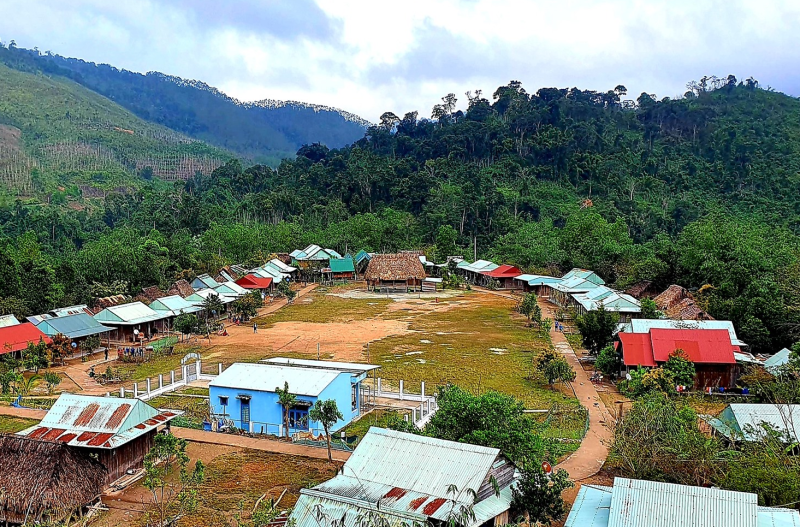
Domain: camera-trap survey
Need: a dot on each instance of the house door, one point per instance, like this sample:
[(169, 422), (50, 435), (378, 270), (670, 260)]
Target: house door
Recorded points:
[(245, 414)]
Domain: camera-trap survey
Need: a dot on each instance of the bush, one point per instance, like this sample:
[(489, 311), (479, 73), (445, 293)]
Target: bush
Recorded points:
[(597, 329), (609, 362)]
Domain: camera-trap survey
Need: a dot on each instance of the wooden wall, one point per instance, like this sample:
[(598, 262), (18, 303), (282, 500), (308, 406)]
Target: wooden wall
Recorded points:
[(128, 456)]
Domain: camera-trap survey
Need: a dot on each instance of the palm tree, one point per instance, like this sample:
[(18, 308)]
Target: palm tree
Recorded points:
[(327, 413), (24, 385), (287, 400)]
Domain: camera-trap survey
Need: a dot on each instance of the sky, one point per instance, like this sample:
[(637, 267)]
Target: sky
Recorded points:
[(368, 56)]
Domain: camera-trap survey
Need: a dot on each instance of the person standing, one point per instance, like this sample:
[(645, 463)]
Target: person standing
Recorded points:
[(255, 328)]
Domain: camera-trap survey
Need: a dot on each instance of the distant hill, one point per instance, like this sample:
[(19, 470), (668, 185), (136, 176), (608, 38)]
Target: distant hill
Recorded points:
[(54, 131), (260, 131)]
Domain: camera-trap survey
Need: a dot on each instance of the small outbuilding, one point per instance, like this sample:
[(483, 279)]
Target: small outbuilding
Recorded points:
[(745, 422), (340, 269), (246, 395), (401, 272), (117, 432)]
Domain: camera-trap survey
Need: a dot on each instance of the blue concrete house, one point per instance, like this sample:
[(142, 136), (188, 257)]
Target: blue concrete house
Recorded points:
[(245, 393)]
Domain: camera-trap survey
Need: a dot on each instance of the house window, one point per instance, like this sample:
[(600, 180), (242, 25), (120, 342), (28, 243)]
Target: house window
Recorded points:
[(223, 400), (298, 418)]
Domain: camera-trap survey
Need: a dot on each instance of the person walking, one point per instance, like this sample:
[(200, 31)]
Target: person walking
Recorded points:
[(255, 328), (106, 354)]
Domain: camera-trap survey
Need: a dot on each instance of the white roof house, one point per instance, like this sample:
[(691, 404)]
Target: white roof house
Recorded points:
[(744, 421), (353, 367), (174, 304), (265, 377), (129, 314), (781, 358), (638, 503)]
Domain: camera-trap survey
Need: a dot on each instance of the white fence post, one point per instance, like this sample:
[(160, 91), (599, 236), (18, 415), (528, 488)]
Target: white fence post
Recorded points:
[(148, 386), (160, 380), (136, 390), (172, 376), (185, 374), (422, 394), (401, 390), (379, 387), (428, 403), (251, 427), (280, 430), (122, 392), (199, 366), (220, 368)]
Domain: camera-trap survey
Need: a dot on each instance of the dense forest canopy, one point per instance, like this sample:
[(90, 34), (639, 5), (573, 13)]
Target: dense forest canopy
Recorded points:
[(699, 191)]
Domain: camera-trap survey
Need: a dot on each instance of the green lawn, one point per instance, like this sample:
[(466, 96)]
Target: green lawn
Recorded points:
[(324, 308), (10, 424)]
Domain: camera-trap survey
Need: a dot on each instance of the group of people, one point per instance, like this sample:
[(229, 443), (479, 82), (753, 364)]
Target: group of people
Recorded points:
[(559, 326), (129, 352)]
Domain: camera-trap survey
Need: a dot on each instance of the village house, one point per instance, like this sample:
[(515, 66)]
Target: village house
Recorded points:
[(536, 283), (340, 269), (583, 291), (394, 272), (174, 305), (505, 276), (45, 482), (643, 325), (745, 421), (130, 322), (14, 339), (77, 327), (253, 282), (361, 260), (711, 351), (117, 432), (474, 272), (638, 503), (678, 303), (313, 257), (204, 281), (246, 393), (404, 479), (280, 266)]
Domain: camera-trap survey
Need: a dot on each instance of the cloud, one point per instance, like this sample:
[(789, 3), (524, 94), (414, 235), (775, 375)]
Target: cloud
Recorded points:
[(369, 57)]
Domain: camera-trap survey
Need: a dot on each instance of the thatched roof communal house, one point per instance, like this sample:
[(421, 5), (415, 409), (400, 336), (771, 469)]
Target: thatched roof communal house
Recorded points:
[(44, 480), (395, 272), (181, 287), (679, 304)]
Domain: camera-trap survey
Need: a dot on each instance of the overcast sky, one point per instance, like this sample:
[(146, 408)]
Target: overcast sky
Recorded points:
[(369, 56)]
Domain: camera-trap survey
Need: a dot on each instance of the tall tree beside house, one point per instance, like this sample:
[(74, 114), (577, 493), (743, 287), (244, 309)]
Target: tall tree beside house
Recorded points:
[(537, 497), (327, 413), (212, 306), (597, 328), (530, 308), (286, 399), (59, 348), (650, 309), (173, 487), (680, 368)]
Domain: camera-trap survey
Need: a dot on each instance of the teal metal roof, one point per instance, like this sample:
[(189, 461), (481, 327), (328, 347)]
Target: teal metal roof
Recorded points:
[(776, 517), (98, 422), (343, 265), (644, 325), (779, 359), (73, 326), (204, 281), (591, 507), (583, 274), (175, 304), (537, 279), (314, 509), (745, 421), (361, 255), (129, 314)]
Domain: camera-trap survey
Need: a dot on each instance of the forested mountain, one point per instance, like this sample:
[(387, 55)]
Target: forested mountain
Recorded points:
[(699, 191), (262, 131)]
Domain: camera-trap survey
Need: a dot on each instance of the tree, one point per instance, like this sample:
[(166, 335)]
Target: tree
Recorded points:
[(170, 496), (59, 348), (186, 323), (680, 368), (597, 328), (286, 290), (608, 361), (287, 400), (52, 379), (212, 305), (530, 308), (327, 414), (650, 309), (24, 385), (553, 366), (35, 356), (247, 306), (538, 495)]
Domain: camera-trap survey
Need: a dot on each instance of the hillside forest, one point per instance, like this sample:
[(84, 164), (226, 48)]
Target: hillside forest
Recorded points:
[(699, 191)]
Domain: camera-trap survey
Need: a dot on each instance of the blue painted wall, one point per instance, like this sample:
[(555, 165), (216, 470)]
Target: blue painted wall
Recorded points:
[(267, 414)]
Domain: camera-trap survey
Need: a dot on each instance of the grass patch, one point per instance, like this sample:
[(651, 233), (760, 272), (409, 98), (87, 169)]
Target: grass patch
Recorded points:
[(10, 424), (195, 410), (325, 309), (479, 346), (191, 390), (575, 341), (378, 418), (235, 481)]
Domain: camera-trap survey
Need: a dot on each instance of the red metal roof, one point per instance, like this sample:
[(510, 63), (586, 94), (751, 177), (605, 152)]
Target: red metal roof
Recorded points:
[(252, 281), (504, 271), (16, 338), (703, 346), (637, 349)]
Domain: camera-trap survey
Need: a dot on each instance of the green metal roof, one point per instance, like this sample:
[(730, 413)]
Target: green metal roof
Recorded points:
[(343, 265), (72, 326)]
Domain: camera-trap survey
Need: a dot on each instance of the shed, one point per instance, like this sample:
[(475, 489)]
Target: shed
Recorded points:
[(341, 269), (135, 316), (744, 421), (638, 503), (246, 393), (14, 339), (45, 480), (406, 477), (118, 431), (75, 327), (397, 272), (781, 358)]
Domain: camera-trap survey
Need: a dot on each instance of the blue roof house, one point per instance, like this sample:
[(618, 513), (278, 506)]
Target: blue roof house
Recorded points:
[(245, 393)]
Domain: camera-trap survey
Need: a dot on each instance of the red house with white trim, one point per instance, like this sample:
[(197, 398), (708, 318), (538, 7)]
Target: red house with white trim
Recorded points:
[(710, 350)]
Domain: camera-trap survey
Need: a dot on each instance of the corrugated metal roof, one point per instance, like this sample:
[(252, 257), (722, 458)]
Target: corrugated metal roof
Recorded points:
[(8, 320), (638, 503), (591, 507), (745, 419), (493, 506), (198, 297), (16, 338), (204, 281), (504, 271), (352, 367), (644, 325), (252, 281), (227, 290), (776, 517), (73, 326), (536, 279), (70, 310), (175, 304), (281, 266), (418, 463), (37, 319), (266, 377), (779, 359), (314, 509), (343, 265), (129, 314), (583, 274), (703, 346), (236, 288), (360, 255), (637, 349), (98, 422)]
